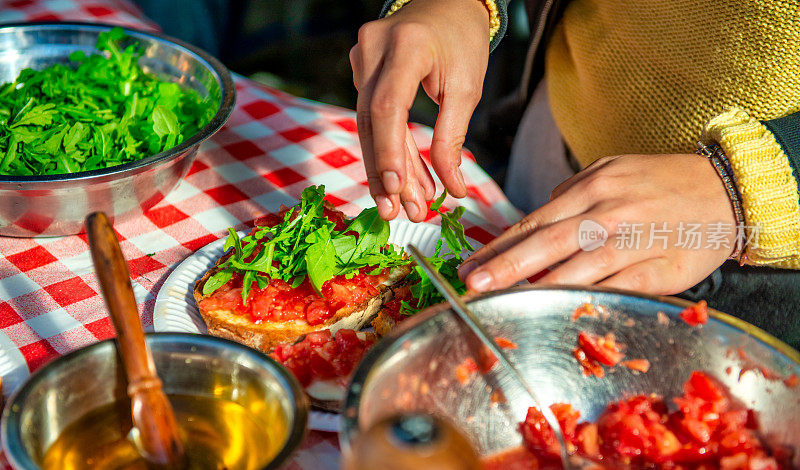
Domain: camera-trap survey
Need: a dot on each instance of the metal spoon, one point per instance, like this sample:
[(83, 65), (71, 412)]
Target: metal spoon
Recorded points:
[(475, 325)]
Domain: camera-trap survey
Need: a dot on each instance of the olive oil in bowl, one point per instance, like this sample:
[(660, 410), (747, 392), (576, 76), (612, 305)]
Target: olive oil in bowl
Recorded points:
[(217, 434)]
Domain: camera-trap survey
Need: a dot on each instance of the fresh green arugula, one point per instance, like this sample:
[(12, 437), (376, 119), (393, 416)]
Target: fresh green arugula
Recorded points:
[(422, 289), (104, 111), (306, 243)]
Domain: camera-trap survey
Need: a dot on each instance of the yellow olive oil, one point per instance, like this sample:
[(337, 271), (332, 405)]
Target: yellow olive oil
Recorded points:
[(217, 435)]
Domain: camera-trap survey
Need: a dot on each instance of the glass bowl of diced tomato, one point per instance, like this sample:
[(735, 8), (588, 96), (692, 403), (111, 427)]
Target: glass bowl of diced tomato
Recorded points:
[(635, 382)]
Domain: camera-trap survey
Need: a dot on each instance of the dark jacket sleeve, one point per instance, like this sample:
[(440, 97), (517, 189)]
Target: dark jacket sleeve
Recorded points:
[(502, 9), (787, 132)]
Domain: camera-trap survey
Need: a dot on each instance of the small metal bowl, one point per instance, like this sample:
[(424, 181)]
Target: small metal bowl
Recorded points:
[(51, 205), (413, 368), (73, 385)]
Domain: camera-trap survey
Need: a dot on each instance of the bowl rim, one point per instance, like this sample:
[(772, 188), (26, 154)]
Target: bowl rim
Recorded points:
[(220, 72), (9, 424), (350, 411)]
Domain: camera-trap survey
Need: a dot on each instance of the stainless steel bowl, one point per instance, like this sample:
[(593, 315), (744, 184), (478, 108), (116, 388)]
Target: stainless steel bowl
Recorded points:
[(53, 205), (413, 369), (91, 377)]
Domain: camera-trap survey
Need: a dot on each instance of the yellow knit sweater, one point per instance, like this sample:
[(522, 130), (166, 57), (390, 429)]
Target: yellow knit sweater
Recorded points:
[(654, 76)]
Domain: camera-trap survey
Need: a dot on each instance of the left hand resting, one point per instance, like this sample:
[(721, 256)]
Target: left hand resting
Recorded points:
[(668, 219)]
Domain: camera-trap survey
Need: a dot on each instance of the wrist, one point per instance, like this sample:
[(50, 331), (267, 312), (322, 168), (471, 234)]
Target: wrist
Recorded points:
[(722, 166), (486, 9)]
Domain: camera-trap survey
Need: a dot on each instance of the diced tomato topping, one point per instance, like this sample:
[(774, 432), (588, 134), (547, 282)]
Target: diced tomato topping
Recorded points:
[(641, 365), (696, 314), (707, 432), (538, 436), (702, 386), (792, 381), (588, 366), (321, 356), (587, 310), (486, 359), (587, 439), (392, 308), (505, 343), (603, 349), (517, 458), (497, 397), (465, 370), (279, 302)]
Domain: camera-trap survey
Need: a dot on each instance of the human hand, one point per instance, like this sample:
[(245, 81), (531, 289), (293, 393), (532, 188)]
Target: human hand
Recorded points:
[(616, 193), (443, 45)]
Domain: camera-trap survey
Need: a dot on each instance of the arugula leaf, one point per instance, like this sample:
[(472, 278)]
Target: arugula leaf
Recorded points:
[(164, 121), (436, 204), (423, 292), (39, 115), (320, 258), (216, 281), (345, 247), (372, 231)]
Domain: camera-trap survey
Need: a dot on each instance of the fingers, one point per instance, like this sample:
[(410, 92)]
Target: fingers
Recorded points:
[(539, 250), (420, 169), (364, 76), (589, 267), (355, 64), (448, 138), (650, 276), (388, 204), (412, 195), (573, 203), (392, 97)]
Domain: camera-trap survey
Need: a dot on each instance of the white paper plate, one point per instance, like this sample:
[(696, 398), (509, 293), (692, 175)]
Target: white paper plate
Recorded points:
[(13, 368), (176, 311)]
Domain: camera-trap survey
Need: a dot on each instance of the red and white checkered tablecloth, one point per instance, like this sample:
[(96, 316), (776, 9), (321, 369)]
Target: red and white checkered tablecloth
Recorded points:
[(273, 146)]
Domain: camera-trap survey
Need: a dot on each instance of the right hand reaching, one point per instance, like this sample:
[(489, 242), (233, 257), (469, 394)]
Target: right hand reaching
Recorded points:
[(443, 45)]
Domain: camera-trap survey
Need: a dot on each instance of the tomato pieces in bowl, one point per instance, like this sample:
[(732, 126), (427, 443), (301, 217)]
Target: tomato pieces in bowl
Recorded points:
[(706, 430)]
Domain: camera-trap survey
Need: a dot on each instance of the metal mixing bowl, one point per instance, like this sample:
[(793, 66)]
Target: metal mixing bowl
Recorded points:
[(413, 369), (69, 387), (58, 204)]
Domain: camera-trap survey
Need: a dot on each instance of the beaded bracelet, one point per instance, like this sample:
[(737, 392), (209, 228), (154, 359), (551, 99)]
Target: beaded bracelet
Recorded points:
[(716, 155), (491, 6)]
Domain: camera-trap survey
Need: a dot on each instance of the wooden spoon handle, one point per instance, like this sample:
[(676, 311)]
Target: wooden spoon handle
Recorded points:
[(112, 272), (151, 411)]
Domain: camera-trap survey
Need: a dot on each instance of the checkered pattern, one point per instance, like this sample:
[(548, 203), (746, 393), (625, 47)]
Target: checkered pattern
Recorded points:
[(273, 146)]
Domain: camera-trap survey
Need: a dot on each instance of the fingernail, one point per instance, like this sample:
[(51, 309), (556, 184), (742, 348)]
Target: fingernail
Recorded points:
[(466, 268), (480, 280), (384, 205), (411, 209), (391, 182)]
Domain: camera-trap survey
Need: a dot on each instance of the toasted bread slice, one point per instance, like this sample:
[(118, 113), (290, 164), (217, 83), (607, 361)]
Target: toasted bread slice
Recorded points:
[(383, 323), (266, 335)]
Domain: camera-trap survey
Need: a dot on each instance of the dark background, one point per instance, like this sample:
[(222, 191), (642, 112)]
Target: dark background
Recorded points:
[(301, 46)]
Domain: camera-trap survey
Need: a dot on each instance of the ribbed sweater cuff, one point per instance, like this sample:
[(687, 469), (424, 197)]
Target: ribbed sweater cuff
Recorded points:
[(768, 188)]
